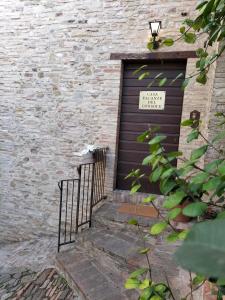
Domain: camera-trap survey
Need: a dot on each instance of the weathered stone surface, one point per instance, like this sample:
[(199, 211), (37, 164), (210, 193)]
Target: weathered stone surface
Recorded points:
[(59, 91)]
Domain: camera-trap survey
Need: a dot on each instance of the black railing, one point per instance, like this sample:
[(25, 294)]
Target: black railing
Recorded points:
[(79, 196)]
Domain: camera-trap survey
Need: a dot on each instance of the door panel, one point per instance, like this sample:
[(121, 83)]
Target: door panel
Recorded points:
[(134, 121)]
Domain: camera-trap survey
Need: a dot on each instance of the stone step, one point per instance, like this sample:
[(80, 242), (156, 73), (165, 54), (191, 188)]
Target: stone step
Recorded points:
[(94, 278), (108, 215)]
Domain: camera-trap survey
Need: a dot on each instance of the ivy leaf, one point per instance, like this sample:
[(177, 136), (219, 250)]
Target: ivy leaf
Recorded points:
[(135, 188), (146, 294), (199, 152), (132, 283), (168, 42), (174, 199), (158, 228), (195, 209), (160, 288), (138, 272), (190, 37), (157, 139)]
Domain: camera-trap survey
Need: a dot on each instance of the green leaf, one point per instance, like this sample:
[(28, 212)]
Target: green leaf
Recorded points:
[(133, 222), (221, 215), (174, 199), (185, 83), (146, 294), (143, 75), (212, 184), (221, 169), (173, 237), (195, 209), (150, 46), (177, 77), (174, 213), (200, 178), (212, 165), (139, 69), (183, 234), (144, 251), (202, 4), (135, 188), (193, 136), (156, 297), (149, 199), (160, 288), (158, 228), (167, 185), (199, 152), (145, 283), (168, 173), (157, 139), (182, 30), (162, 81), (142, 137), (188, 123), (138, 272), (202, 77), (132, 283), (203, 251), (198, 279), (148, 159), (154, 177), (168, 42), (190, 37)]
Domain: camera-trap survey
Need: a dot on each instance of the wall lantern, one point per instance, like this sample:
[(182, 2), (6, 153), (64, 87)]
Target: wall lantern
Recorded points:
[(155, 27)]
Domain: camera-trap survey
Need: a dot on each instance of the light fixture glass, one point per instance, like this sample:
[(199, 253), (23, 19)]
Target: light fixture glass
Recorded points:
[(155, 26)]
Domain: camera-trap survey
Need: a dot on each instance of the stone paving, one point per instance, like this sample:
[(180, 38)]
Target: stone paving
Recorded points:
[(48, 284), (26, 271)]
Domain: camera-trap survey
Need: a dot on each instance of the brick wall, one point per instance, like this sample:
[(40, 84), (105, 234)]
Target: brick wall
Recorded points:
[(59, 91)]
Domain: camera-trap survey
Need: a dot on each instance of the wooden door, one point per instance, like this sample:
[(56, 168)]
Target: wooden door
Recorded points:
[(134, 121)]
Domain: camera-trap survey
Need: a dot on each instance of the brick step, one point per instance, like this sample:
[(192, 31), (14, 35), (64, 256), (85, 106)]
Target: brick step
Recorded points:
[(93, 277)]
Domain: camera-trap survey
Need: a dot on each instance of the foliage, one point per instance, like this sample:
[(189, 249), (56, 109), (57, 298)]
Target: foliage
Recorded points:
[(209, 26)]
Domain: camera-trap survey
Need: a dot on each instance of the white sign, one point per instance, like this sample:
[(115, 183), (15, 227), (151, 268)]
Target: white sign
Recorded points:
[(152, 100)]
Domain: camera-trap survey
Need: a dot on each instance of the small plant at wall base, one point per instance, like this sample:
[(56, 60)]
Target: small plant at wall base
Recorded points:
[(192, 191)]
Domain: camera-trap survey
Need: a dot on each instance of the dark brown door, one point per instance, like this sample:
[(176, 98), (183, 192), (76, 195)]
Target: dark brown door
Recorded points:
[(134, 121)]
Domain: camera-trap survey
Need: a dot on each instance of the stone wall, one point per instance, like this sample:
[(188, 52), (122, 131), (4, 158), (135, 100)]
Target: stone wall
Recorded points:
[(59, 92)]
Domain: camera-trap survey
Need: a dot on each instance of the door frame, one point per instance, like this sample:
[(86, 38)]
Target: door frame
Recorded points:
[(132, 58)]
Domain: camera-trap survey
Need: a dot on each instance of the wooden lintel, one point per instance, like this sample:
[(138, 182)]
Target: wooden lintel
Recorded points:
[(153, 55)]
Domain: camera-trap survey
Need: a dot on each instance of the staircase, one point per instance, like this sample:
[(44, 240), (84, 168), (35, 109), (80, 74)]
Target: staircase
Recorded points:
[(101, 258)]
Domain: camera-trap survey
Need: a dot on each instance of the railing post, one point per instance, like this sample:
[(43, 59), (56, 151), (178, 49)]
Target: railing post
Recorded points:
[(78, 200), (92, 193), (60, 184)]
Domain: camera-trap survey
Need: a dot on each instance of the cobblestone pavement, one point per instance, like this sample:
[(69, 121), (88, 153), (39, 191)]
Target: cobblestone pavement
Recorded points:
[(22, 276), (28, 285)]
